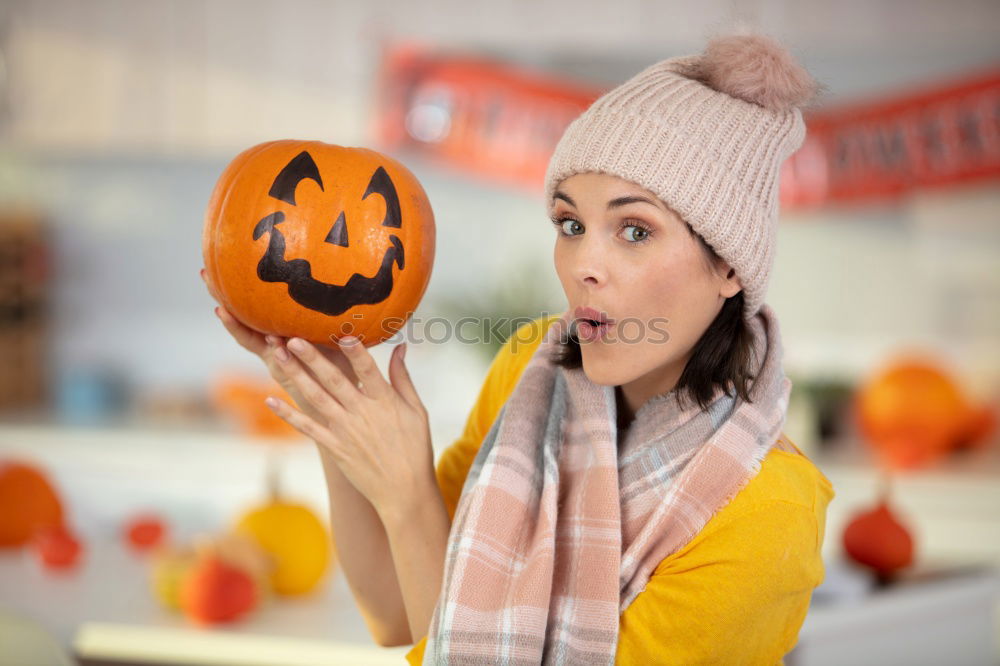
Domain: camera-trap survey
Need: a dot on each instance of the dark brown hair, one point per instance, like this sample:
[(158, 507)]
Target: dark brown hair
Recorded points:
[(722, 357)]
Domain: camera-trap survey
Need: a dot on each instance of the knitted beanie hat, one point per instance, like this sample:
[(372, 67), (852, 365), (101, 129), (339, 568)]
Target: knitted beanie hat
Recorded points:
[(707, 134)]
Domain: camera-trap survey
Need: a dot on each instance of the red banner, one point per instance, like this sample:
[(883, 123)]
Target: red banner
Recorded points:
[(496, 121), (502, 123), (940, 136)]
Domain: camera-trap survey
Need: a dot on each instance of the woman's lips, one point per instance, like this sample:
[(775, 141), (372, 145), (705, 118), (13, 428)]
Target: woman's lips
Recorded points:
[(592, 314), (591, 324), (589, 332)]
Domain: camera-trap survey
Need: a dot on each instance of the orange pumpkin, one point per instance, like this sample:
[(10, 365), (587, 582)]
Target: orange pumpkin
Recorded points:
[(28, 502), (242, 398), (912, 413), (318, 241)]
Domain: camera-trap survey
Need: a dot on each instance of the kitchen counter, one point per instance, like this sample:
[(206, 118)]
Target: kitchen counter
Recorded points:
[(105, 612), (201, 480)]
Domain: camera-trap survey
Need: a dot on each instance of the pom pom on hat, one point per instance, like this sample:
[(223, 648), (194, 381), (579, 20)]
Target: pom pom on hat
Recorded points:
[(757, 69)]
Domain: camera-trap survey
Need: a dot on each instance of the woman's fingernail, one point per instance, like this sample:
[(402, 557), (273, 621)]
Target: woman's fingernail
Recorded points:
[(270, 340), (271, 402), (297, 344), (281, 354), (402, 352), (348, 341), (218, 312)]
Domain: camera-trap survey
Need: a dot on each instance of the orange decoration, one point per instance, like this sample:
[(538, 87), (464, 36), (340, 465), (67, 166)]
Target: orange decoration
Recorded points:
[(57, 547), (27, 502), (242, 398), (980, 427), (144, 532), (318, 241), (214, 592), (876, 538), (912, 413)]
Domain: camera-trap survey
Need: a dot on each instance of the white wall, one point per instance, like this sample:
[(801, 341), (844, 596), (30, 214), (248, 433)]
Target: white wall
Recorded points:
[(213, 76), (855, 285), (117, 116)]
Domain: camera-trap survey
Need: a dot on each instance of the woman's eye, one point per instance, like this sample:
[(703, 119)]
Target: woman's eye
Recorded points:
[(570, 227), (638, 233)]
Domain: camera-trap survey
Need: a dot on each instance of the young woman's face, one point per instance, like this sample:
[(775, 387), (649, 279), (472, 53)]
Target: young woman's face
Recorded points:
[(623, 252)]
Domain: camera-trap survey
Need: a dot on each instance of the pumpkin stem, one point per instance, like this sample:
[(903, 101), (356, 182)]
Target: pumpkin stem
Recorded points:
[(884, 485), (273, 473)]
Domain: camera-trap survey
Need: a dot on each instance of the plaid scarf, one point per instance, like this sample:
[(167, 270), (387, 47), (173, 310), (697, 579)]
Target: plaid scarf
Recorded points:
[(560, 525)]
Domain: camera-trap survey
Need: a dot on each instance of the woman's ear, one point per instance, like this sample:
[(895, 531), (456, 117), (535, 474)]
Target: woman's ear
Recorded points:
[(730, 281)]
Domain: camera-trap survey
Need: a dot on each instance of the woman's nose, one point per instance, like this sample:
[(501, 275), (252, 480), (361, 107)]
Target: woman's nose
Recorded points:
[(591, 262)]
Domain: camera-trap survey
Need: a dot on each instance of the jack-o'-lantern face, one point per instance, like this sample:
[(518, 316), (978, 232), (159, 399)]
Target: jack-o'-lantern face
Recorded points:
[(331, 299), (320, 256)]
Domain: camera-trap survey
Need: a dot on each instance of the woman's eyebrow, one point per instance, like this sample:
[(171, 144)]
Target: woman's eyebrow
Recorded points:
[(614, 203), (564, 197), (624, 201)]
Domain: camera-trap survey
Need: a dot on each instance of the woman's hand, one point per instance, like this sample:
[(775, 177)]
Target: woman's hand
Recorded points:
[(265, 347), (377, 458), (378, 433)]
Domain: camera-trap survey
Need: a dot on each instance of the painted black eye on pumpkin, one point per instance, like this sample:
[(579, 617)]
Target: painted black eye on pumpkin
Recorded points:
[(304, 289), (382, 184), (302, 167)]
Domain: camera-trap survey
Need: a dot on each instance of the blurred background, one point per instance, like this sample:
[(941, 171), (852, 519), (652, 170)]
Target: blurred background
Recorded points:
[(129, 412)]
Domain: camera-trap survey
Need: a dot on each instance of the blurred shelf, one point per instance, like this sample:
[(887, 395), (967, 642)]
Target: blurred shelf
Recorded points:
[(199, 480), (851, 453), (952, 506)]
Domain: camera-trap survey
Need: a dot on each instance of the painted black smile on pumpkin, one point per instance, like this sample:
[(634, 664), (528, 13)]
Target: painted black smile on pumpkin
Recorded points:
[(330, 299)]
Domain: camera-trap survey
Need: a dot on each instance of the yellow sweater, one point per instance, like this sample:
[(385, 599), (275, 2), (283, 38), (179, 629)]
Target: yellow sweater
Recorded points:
[(735, 594)]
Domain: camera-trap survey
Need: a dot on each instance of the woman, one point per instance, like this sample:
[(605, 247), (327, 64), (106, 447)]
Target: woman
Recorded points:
[(622, 491)]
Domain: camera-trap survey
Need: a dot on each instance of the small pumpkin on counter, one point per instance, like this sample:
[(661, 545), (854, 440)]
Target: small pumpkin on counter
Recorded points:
[(298, 542), (58, 547), (181, 580), (913, 413), (876, 538), (28, 502), (214, 591)]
